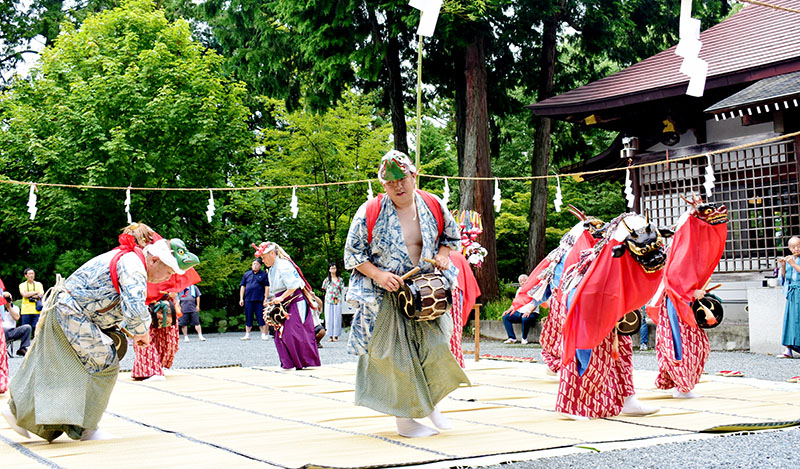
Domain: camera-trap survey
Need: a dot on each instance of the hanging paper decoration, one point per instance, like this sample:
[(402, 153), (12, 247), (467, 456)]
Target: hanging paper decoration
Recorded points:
[(429, 13), (369, 191), (470, 224), (497, 200), (689, 48), (446, 193), (32, 201), (293, 204), (211, 208), (128, 204), (709, 183), (558, 200), (629, 189)]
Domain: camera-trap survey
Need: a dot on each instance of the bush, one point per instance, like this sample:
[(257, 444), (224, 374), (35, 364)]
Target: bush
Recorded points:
[(219, 320), (493, 310)]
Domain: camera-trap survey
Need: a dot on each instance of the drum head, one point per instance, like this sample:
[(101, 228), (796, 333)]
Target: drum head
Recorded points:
[(120, 341), (274, 315), (710, 303), (405, 301), (630, 323)]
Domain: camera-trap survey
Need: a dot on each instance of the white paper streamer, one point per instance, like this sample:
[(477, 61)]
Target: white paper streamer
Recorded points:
[(497, 199), (32, 202), (446, 193), (369, 191), (629, 189), (211, 207), (689, 48), (558, 200), (293, 205), (128, 204), (709, 183), (429, 15)]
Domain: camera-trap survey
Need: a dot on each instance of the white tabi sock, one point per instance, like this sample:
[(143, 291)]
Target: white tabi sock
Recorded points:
[(410, 428), (12, 421), (683, 395), (634, 406), (438, 419), (96, 434), (574, 417)]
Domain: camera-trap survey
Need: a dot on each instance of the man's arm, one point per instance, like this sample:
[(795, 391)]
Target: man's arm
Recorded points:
[(386, 280), (12, 311), (241, 295)]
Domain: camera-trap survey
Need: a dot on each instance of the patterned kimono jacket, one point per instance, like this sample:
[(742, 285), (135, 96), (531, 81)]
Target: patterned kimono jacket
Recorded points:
[(388, 252)]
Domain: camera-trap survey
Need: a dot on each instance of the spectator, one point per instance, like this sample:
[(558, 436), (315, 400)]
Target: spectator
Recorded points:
[(333, 286), (10, 314), (790, 279), (190, 306), (644, 332), (254, 288), (31, 291), (524, 315)]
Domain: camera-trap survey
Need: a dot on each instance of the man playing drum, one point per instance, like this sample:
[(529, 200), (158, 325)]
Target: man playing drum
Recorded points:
[(405, 367)]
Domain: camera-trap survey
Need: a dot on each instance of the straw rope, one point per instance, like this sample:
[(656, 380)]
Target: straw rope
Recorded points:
[(431, 176)]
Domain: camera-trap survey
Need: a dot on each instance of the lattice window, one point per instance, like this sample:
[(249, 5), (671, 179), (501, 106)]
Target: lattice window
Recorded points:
[(758, 185)]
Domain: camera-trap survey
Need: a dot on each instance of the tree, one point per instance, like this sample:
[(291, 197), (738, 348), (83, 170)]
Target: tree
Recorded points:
[(127, 99)]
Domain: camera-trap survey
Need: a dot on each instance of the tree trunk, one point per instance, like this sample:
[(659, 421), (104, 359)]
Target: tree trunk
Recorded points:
[(476, 149), (392, 64), (541, 143)]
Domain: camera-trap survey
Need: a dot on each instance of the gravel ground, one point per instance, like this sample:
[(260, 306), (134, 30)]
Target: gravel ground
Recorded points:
[(766, 449)]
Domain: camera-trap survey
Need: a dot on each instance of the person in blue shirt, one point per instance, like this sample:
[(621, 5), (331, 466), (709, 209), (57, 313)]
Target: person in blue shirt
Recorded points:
[(254, 288)]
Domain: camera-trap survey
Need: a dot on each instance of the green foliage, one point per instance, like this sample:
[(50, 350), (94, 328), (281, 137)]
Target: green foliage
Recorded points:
[(126, 99), (493, 310), (69, 261)]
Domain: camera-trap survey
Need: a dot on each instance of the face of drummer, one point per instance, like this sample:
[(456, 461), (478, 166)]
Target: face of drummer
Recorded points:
[(401, 191), (157, 271), (794, 245), (269, 258)]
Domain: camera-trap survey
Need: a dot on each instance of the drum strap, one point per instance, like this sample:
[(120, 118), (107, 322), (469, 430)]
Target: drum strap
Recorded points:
[(374, 209)]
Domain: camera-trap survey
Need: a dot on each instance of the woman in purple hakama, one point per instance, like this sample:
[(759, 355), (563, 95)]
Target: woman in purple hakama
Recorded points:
[(295, 341)]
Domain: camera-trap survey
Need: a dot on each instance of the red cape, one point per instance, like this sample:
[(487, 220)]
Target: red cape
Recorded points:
[(2, 298), (467, 283), (584, 241), (611, 288), (696, 250), (176, 283)]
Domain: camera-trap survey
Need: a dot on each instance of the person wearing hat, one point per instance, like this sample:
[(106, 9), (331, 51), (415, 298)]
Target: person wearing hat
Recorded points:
[(295, 340), (379, 250), (65, 382)]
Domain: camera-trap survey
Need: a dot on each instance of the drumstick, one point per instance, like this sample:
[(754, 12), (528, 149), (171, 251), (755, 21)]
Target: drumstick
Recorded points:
[(409, 273), (714, 287), (126, 332)]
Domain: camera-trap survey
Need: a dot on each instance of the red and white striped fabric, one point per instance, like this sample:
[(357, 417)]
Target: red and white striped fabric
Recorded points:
[(3, 364), (602, 389), (458, 328), (150, 360), (550, 337), (684, 374)]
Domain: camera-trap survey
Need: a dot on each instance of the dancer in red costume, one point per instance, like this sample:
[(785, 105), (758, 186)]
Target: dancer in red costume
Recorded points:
[(618, 275), (681, 346), (544, 282), (151, 360)]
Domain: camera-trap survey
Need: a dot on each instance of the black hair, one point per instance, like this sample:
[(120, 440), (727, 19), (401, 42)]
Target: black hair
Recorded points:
[(25, 272), (332, 264)]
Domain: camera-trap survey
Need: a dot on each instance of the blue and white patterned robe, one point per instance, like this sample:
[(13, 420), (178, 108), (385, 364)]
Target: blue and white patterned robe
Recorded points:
[(388, 252)]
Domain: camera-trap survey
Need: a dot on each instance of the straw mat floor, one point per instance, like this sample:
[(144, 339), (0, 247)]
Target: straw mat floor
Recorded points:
[(267, 417)]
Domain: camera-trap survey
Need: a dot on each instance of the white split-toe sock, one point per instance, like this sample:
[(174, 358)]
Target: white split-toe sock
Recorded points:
[(574, 417), (438, 419), (12, 421), (635, 407), (410, 428), (155, 378), (684, 395), (96, 434)]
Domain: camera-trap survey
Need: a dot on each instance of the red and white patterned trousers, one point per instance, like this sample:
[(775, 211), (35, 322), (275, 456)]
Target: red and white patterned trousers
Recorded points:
[(458, 330), (550, 337), (150, 360), (684, 374), (602, 389), (3, 363)]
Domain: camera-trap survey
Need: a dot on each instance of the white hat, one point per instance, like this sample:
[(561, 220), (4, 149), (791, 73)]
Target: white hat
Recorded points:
[(163, 251)]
